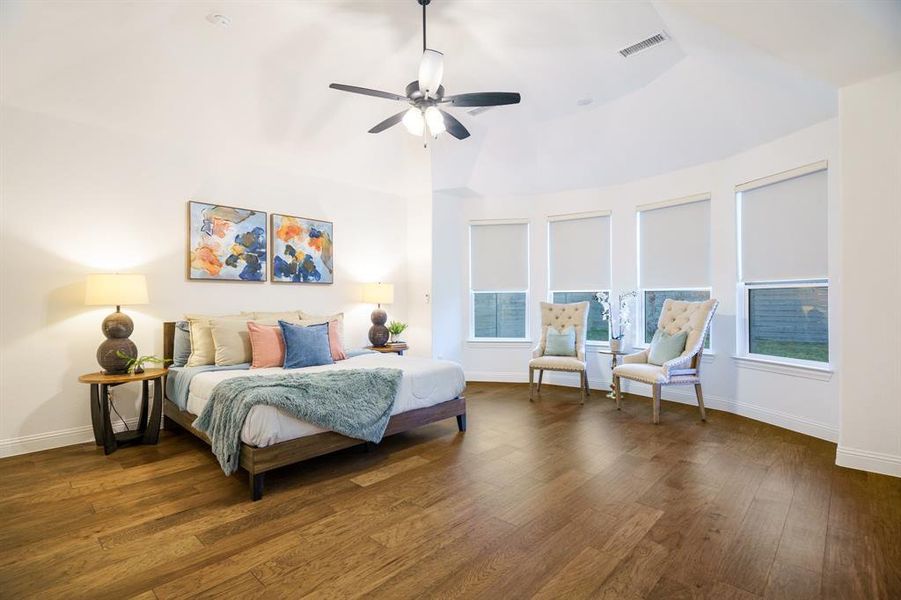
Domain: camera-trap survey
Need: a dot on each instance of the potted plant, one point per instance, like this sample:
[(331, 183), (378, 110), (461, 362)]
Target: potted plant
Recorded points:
[(620, 322), (395, 328), (135, 364)]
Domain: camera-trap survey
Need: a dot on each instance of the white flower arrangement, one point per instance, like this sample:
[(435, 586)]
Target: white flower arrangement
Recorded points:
[(620, 322)]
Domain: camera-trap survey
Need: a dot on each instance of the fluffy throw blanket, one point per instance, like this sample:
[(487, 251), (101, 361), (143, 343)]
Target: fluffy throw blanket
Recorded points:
[(355, 402)]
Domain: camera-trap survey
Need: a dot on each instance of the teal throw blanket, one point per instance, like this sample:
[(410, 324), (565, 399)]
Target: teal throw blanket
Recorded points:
[(354, 402)]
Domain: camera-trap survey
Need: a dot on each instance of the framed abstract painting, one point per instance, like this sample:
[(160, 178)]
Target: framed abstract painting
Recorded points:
[(226, 243), (302, 250)]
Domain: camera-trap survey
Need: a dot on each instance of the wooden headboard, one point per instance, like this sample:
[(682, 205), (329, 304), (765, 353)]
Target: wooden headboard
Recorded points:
[(168, 341)]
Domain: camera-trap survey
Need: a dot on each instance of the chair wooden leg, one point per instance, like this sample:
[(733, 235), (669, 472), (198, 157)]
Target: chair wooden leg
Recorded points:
[(587, 387), (582, 378), (700, 396), (540, 378), (531, 384), (616, 392), (656, 403)]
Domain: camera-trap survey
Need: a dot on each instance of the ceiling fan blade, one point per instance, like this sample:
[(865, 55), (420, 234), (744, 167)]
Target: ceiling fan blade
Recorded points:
[(483, 99), (366, 91), (431, 71), (389, 122), (454, 127)]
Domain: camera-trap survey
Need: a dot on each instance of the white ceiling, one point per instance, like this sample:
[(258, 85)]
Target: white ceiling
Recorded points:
[(734, 75)]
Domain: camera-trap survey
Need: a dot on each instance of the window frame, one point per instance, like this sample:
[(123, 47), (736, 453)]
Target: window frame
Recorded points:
[(597, 343), (471, 338), (638, 338), (743, 335)]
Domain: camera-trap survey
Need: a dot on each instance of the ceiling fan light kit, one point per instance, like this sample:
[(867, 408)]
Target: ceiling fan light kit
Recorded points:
[(426, 94)]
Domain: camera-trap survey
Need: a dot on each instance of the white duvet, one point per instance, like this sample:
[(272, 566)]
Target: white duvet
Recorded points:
[(426, 382)]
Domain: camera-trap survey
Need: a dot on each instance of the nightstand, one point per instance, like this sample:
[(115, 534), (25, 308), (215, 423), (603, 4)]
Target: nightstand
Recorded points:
[(398, 348), (148, 430)]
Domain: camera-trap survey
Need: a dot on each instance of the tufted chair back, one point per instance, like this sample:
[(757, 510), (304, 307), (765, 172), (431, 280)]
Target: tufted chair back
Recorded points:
[(691, 317), (563, 316)]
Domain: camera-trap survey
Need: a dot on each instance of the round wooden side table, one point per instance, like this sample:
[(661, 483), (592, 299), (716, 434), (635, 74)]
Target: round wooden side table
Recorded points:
[(148, 430), (614, 360), (396, 348)]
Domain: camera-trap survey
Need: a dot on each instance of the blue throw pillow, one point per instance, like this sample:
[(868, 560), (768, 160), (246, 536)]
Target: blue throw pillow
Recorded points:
[(560, 344), (665, 347), (306, 346), (181, 349)]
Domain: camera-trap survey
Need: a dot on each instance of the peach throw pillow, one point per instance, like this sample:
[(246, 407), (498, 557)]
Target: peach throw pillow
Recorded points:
[(335, 343), (267, 345)]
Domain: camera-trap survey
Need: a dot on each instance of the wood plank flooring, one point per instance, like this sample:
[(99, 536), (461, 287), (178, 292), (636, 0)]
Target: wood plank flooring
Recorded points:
[(544, 500)]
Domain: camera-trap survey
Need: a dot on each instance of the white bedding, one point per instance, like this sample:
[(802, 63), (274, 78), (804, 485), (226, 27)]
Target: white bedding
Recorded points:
[(426, 382)]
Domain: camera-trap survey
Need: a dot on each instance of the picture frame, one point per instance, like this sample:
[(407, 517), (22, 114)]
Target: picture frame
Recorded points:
[(226, 243), (302, 250)]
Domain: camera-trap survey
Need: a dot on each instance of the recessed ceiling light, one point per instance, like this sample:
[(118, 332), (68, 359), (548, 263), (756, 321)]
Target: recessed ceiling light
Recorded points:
[(584, 101), (219, 19)]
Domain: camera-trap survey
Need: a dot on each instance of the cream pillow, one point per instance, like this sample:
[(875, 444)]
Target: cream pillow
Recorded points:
[(203, 349), (314, 319), (231, 340)]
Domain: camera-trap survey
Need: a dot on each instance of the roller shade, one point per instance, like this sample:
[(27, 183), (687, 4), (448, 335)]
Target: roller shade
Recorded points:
[(579, 253), (499, 257), (675, 245), (784, 229)]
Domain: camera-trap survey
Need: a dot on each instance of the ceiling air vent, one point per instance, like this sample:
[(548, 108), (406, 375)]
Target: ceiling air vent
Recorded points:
[(652, 41)]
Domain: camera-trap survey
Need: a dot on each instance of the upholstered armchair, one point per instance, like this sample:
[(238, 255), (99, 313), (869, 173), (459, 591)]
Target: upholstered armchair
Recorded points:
[(676, 316), (561, 317)]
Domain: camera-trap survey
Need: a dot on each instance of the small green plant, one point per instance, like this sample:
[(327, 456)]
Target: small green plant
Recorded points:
[(395, 328), (136, 364)]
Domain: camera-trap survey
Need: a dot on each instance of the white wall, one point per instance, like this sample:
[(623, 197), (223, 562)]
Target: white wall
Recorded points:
[(801, 400), (870, 114), (78, 199)]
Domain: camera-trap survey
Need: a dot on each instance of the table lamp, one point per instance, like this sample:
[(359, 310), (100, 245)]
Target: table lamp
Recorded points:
[(116, 289), (378, 293)]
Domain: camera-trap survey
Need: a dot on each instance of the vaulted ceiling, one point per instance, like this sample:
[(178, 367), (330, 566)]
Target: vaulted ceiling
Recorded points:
[(731, 76)]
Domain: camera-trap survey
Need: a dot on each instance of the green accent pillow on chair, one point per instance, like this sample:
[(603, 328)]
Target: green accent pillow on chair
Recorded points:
[(563, 343), (665, 347)]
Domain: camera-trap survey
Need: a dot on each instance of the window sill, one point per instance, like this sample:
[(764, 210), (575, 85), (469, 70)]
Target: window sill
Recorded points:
[(819, 373), (500, 342)]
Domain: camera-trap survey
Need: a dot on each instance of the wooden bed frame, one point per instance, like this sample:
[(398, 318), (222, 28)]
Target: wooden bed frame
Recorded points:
[(256, 461)]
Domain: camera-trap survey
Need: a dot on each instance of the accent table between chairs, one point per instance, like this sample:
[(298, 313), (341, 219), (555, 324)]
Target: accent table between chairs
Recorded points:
[(614, 360)]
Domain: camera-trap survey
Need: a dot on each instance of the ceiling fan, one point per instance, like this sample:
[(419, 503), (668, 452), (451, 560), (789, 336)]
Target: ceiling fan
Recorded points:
[(426, 96)]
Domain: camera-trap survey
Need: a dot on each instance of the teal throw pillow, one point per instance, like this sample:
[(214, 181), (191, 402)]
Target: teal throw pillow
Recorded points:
[(558, 343), (666, 347)]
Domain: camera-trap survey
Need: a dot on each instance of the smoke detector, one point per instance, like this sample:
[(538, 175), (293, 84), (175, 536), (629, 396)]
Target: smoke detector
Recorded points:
[(218, 19)]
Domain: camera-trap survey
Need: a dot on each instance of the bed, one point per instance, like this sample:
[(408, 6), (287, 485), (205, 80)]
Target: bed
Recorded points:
[(430, 391)]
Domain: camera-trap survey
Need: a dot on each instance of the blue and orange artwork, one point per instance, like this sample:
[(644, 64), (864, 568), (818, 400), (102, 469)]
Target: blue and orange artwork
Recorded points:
[(302, 250), (225, 243)]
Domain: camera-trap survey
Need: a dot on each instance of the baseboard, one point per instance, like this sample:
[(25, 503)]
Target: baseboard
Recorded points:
[(864, 460), (685, 395), (54, 439), (550, 377)]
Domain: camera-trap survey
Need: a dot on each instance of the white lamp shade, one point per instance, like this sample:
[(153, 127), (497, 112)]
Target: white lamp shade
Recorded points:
[(115, 289), (435, 120), (431, 70), (378, 293), (413, 121)]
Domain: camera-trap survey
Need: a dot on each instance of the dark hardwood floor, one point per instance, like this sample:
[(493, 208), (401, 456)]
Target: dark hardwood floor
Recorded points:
[(548, 500)]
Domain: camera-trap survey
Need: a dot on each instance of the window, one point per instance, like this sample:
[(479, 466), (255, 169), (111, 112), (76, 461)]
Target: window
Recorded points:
[(789, 322), (673, 257), (783, 266), (499, 279), (579, 265), (653, 304)]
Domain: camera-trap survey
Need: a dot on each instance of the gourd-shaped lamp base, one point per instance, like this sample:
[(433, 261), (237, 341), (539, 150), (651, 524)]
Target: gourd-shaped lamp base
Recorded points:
[(116, 327), (378, 333)]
